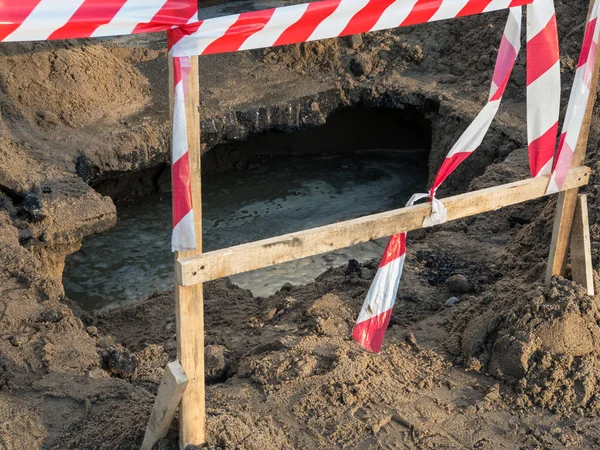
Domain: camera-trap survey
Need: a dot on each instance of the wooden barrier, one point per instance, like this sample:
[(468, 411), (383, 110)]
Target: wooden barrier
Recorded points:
[(194, 268)]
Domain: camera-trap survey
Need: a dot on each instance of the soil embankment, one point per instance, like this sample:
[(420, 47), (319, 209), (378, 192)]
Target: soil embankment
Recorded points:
[(513, 364)]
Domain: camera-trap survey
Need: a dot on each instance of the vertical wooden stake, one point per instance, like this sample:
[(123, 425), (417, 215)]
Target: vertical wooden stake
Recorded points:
[(567, 200), (190, 300), (167, 400), (581, 249)]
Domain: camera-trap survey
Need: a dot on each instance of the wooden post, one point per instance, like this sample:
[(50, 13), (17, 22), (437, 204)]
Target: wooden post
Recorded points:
[(581, 250), (167, 400), (190, 299), (567, 200)]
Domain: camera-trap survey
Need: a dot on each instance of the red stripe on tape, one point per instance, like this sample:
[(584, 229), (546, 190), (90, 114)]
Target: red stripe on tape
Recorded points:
[(474, 7), (246, 25), (370, 332), (12, 16), (182, 189), (505, 61), (367, 17), (542, 150), (448, 166), (422, 12), (90, 15), (588, 41), (301, 30), (542, 51), (172, 13), (395, 249)]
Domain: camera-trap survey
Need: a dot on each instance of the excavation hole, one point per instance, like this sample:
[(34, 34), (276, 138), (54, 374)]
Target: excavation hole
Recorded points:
[(362, 161)]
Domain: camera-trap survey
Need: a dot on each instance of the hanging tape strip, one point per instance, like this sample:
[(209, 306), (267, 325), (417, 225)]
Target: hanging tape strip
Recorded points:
[(376, 312)]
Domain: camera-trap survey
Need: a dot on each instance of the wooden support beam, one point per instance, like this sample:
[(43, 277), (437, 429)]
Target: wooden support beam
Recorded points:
[(276, 250), (167, 400), (567, 200), (190, 299), (581, 249)]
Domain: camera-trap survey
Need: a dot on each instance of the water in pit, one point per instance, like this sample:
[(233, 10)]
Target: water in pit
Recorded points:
[(278, 196)]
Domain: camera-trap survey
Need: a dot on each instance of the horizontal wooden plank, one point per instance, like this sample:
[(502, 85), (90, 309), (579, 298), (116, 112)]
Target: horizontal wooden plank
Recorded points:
[(280, 249)]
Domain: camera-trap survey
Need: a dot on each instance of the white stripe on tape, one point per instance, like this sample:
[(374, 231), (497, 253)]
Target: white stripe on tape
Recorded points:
[(543, 106), (394, 14), (184, 234), (180, 140), (336, 22), (282, 19), (47, 17), (132, 13), (382, 294)]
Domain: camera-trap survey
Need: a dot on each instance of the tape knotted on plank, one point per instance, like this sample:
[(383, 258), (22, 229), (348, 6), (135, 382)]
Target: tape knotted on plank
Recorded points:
[(439, 213)]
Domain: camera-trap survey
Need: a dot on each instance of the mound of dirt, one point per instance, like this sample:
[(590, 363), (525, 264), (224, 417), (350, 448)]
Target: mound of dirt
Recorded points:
[(69, 84), (546, 341)]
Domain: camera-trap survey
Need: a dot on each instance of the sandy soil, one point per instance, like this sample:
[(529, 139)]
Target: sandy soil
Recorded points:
[(513, 364)]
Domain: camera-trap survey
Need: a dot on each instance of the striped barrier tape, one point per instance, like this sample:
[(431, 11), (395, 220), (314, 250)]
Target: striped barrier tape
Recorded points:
[(319, 20), (184, 233), (34, 20), (376, 312), (473, 136), (580, 94), (543, 86)]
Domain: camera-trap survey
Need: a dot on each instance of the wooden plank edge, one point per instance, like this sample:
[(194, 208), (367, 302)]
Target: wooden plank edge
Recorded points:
[(581, 249), (292, 246), (169, 396)]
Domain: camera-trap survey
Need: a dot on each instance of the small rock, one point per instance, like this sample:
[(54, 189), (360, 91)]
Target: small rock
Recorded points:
[(92, 331), (354, 41), (493, 394), (458, 284), (33, 207), (353, 269), (47, 190), (287, 287), (361, 65), (48, 118), (84, 168), (452, 301), (473, 365), (18, 340), (217, 362), (270, 314), (119, 361), (411, 339), (50, 315), (366, 274)]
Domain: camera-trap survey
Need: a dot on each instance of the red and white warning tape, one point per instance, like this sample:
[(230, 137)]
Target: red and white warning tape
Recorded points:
[(377, 309), (473, 136), (375, 315), (319, 20), (543, 86), (184, 233), (577, 102), (33, 20)]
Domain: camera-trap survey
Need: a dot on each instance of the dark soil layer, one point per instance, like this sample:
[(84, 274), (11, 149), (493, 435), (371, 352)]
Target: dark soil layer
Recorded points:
[(512, 364)]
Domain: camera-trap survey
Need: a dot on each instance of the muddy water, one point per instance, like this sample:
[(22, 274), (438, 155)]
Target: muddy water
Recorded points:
[(277, 196)]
